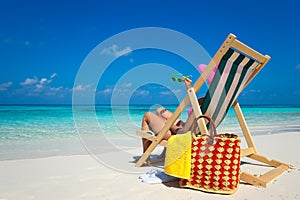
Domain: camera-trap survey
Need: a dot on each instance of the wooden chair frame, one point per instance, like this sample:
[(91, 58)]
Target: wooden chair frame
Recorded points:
[(250, 151)]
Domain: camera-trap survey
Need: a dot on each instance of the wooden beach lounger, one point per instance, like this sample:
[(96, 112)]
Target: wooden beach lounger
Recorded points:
[(237, 64)]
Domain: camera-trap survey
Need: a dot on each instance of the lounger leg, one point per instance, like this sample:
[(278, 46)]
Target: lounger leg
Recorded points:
[(146, 154), (251, 152)]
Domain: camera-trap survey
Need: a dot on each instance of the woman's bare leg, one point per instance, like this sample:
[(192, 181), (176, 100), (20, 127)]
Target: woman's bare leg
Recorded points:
[(166, 114), (154, 123)]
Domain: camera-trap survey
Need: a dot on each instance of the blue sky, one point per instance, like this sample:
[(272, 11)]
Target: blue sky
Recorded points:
[(43, 44)]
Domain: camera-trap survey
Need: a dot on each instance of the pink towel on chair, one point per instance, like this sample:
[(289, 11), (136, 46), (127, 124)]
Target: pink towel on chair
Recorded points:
[(201, 68)]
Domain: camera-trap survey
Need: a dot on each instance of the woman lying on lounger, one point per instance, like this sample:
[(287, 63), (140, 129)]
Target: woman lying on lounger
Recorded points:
[(155, 122)]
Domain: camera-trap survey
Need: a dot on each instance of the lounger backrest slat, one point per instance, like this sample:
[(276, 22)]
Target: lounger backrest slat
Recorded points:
[(233, 72)]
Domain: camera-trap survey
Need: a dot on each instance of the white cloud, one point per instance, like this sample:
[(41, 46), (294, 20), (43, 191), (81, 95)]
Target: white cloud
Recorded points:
[(53, 76), (114, 50), (81, 87), (172, 92), (142, 92), (5, 86), (252, 91), (106, 91), (56, 89), (120, 89), (38, 84), (29, 81), (43, 81), (127, 85), (38, 87), (13, 41)]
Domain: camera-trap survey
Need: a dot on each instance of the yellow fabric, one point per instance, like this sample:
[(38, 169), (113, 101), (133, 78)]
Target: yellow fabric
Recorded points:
[(178, 156)]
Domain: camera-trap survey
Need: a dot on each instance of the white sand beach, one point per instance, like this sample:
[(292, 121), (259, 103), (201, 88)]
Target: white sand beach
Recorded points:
[(83, 177)]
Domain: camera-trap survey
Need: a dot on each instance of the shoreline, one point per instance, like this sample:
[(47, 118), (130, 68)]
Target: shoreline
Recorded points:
[(175, 104), (81, 145), (84, 177)]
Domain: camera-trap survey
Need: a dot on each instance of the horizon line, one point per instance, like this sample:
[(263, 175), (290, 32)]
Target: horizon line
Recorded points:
[(243, 105)]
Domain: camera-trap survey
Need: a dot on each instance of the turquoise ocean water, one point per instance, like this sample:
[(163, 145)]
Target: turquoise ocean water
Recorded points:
[(34, 129)]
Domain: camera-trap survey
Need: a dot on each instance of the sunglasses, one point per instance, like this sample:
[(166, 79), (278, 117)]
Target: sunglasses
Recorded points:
[(179, 77)]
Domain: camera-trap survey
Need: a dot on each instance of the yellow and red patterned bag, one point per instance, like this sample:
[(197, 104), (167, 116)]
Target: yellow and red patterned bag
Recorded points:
[(215, 162)]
